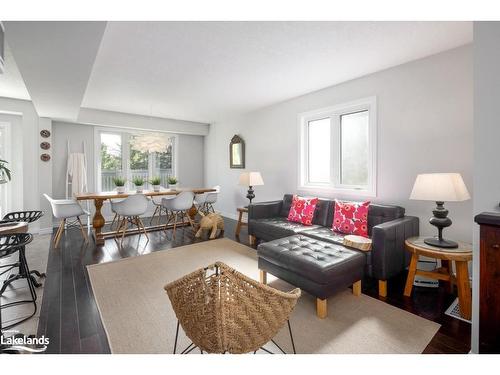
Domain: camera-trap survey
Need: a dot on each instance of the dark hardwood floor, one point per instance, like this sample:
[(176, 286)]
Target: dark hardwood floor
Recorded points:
[(69, 315)]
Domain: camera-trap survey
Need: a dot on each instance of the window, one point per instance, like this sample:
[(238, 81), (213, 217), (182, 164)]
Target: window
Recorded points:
[(338, 149), (125, 154)]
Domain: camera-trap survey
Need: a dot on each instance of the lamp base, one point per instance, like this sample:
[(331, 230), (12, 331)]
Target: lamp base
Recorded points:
[(440, 242)]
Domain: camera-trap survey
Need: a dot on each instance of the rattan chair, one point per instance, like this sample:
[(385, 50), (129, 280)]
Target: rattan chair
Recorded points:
[(223, 311)]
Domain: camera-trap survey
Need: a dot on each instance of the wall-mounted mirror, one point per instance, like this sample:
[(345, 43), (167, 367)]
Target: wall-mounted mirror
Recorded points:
[(237, 152)]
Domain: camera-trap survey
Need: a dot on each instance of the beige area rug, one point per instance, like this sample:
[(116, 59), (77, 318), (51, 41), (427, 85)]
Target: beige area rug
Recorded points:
[(138, 317), (37, 253)]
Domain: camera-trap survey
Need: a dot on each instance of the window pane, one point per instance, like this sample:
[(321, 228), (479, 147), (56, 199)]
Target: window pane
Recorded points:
[(354, 149), (163, 165), (319, 150), (138, 161), (111, 159)]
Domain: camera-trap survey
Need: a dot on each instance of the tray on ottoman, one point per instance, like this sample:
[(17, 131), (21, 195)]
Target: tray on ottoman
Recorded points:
[(318, 267)]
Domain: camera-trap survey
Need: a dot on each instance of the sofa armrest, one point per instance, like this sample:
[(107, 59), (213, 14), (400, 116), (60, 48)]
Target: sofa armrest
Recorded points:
[(264, 210), (389, 256)]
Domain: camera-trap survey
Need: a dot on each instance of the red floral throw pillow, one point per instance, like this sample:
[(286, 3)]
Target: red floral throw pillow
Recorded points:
[(302, 210), (351, 218)]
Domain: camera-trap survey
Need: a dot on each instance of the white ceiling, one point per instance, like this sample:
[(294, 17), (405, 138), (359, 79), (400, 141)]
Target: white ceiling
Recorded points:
[(204, 71), (55, 60)]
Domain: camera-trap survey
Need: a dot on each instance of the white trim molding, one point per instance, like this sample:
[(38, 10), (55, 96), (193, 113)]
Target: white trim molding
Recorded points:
[(334, 184)]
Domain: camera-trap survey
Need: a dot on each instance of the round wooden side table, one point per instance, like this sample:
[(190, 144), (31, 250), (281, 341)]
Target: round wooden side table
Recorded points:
[(461, 255), (241, 223)]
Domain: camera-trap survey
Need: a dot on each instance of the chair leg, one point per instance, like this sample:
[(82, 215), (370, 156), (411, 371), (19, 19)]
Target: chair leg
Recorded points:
[(154, 214), (175, 225), (84, 233), (61, 231), (113, 222), (141, 224)]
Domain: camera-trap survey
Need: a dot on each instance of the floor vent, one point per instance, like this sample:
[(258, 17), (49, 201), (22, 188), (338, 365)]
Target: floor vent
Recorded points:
[(454, 311)]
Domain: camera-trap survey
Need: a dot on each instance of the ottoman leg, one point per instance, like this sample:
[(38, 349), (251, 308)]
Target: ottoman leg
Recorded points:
[(263, 276), (382, 288), (321, 308), (251, 240), (356, 288)]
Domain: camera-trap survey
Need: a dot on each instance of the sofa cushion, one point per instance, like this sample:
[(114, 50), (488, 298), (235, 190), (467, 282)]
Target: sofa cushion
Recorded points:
[(324, 234), (351, 218), (302, 210), (277, 227), (323, 215), (320, 261)]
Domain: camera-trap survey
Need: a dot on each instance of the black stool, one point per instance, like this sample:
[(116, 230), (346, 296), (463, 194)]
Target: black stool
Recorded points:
[(9, 245), (27, 217)]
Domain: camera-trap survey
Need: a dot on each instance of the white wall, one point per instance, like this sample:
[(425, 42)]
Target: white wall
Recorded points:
[(424, 125), (26, 151), (486, 135)]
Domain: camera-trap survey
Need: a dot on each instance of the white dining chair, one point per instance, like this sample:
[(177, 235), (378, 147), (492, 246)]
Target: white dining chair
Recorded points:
[(65, 209), (204, 202), (180, 204), (159, 209), (130, 211)]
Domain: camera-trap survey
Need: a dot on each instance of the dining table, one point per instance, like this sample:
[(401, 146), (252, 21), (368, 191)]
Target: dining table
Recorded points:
[(98, 221)]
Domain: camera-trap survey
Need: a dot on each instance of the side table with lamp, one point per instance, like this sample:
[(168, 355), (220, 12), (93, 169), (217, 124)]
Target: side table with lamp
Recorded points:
[(249, 179), (441, 187)]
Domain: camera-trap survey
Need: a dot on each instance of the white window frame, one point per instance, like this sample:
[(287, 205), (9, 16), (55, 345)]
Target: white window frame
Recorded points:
[(125, 151), (334, 186)]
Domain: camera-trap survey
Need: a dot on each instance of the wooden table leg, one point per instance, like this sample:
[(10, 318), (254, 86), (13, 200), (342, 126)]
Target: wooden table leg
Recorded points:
[(238, 226), (464, 292), (411, 275), (98, 222), (448, 265)]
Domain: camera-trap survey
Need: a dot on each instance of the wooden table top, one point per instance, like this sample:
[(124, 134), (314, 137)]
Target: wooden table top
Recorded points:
[(417, 245), (149, 193), (13, 227)]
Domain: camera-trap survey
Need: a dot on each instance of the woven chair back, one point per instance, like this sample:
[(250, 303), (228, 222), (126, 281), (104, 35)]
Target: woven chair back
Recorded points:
[(221, 310)]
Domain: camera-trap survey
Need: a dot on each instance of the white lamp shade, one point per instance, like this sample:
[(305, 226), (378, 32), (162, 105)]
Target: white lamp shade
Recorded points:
[(440, 187), (251, 179)]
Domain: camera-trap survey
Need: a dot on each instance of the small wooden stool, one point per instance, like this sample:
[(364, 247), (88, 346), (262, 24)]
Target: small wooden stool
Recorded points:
[(241, 223)]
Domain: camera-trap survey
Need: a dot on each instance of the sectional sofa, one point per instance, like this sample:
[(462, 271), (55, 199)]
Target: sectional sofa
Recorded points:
[(314, 258)]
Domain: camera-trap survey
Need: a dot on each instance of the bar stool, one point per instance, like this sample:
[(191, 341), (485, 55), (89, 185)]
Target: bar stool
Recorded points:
[(9, 245), (26, 217)]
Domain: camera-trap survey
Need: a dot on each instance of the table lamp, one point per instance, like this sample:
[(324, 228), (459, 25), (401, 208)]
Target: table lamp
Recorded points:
[(440, 187), (251, 179)]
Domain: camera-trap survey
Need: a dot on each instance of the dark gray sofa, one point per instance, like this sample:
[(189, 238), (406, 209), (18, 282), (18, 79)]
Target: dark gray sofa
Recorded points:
[(388, 228)]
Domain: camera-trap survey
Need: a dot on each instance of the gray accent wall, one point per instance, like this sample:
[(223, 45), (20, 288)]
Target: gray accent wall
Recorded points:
[(424, 125)]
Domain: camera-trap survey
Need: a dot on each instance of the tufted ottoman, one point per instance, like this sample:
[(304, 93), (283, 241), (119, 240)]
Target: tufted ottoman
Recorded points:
[(318, 267)]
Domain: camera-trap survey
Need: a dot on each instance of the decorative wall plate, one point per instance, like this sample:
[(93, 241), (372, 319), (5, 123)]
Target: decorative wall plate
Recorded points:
[(45, 133), (45, 157), (45, 145)]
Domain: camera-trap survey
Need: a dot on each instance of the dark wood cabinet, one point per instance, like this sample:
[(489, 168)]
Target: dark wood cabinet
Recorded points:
[(489, 282)]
